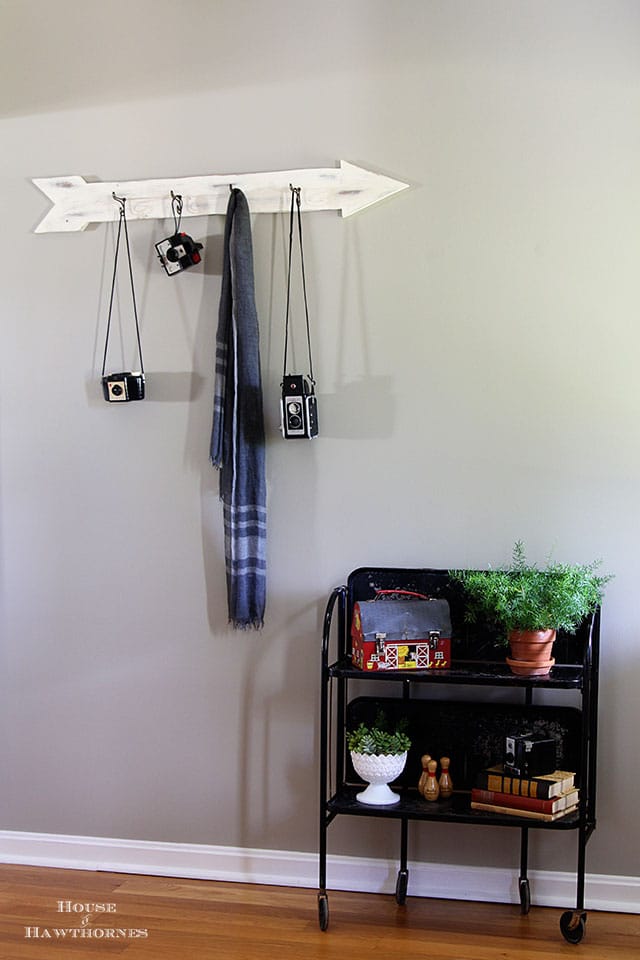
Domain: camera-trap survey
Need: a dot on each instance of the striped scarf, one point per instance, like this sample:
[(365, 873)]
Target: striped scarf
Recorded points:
[(237, 437)]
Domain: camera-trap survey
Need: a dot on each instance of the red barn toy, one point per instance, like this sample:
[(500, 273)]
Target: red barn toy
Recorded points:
[(401, 634)]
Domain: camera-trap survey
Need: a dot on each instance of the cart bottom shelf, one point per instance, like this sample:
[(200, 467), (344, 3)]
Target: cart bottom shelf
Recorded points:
[(411, 806)]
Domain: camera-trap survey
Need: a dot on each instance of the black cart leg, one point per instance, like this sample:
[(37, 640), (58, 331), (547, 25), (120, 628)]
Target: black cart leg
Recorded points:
[(402, 881), (573, 922), (523, 882), (323, 903), (323, 900)]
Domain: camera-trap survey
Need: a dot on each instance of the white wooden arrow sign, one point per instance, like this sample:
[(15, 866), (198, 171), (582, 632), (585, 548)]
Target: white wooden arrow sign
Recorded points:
[(78, 203)]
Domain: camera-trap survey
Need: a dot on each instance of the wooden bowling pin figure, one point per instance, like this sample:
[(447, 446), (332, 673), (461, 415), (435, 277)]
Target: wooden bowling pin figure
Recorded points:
[(432, 788), (445, 783), (425, 773)]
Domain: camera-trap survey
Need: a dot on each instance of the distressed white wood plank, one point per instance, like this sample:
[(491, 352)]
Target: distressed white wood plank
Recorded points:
[(346, 188)]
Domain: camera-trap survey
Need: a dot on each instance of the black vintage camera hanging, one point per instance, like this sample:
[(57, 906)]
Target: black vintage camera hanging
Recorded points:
[(298, 405), (124, 385), (180, 251)]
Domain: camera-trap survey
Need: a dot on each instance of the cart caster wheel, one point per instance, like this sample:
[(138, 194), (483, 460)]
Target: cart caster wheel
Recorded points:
[(323, 911), (525, 896), (401, 887), (572, 925)]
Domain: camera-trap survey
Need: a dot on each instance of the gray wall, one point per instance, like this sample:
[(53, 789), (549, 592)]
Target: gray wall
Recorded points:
[(477, 348)]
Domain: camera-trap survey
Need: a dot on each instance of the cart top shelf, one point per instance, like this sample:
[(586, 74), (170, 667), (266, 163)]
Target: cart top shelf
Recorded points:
[(470, 672), (477, 650)]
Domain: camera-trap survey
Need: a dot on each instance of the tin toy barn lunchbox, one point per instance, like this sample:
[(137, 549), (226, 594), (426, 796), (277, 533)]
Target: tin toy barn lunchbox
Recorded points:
[(401, 634)]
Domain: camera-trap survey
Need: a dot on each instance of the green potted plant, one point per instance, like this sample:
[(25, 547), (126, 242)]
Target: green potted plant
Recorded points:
[(532, 603), (379, 754)]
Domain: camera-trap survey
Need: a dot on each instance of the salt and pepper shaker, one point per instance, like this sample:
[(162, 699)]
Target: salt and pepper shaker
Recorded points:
[(445, 782), (431, 788), (425, 773)]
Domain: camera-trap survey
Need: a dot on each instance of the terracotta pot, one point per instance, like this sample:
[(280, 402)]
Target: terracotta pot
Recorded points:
[(531, 652)]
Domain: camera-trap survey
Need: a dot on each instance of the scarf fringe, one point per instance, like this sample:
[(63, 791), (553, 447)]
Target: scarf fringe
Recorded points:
[(246, 624)]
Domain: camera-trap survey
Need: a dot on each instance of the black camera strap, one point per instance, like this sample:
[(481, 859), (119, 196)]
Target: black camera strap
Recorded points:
[(295, 198), (122, 222)]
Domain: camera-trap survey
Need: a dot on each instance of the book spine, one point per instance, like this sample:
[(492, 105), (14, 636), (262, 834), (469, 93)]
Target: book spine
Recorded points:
[(501, 783), (513, 812), (525, 803)]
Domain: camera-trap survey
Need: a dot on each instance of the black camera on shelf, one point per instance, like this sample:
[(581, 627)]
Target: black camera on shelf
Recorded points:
[(298, 408), (120, 387), (529, 755), (178, 253)]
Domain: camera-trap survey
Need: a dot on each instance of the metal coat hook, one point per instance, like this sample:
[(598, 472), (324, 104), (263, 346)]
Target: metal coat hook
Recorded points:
[(120, 200), (176, 208)]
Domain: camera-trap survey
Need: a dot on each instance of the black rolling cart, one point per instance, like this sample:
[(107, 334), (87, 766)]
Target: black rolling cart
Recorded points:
[(470, 731)]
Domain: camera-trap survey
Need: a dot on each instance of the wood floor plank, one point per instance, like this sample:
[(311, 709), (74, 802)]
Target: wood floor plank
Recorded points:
[(206, 920)]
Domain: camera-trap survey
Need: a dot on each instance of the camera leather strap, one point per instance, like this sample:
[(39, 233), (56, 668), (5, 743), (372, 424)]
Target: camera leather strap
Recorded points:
[(122, 222), (295, 199)]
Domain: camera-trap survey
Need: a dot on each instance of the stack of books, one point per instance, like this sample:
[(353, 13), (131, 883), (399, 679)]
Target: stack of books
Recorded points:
[(547, 797)]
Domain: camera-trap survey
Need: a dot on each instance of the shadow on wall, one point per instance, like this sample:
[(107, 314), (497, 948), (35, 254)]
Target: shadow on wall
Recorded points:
[(266, 774), (188, 386), (360, 407)]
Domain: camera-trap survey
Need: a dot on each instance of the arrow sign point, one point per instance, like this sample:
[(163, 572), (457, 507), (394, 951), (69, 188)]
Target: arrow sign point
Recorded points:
[(361, 188)]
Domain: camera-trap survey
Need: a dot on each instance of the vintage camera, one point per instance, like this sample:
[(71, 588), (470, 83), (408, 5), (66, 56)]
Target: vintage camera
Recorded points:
[(529, 755), (178, 252), (119, 387), (298, 408)]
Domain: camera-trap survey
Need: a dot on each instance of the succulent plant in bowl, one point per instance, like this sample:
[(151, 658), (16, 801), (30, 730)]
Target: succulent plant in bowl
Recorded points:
[(378, 753)]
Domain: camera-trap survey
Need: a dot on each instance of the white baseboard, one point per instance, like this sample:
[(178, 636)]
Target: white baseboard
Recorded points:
[(286, 868)]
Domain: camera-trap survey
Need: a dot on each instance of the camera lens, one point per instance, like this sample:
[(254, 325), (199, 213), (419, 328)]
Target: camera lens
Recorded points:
[(176, 252), (294, 415), (116, 389)]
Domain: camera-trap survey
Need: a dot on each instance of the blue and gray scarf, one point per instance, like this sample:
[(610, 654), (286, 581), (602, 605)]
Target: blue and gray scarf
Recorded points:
[(237, 438)]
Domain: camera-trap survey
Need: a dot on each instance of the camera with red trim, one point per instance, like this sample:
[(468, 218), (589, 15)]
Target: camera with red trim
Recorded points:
[(178, 253)]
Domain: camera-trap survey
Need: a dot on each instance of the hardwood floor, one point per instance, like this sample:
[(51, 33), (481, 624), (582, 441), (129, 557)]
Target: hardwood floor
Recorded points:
[(159, 918)]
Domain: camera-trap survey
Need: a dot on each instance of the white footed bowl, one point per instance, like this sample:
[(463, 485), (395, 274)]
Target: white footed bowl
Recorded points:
[(378, 771)]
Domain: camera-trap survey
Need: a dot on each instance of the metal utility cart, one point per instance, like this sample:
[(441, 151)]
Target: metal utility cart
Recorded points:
[(471, 732)]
